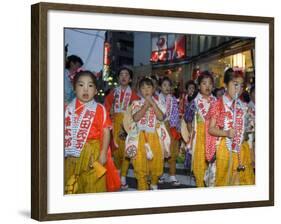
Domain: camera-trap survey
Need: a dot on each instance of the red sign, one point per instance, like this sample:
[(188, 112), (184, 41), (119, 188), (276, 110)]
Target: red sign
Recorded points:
[(106, 60), (168, 47)]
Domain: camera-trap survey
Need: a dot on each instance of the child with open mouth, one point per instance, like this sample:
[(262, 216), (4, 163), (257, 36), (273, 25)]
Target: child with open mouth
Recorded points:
[(88, 163)]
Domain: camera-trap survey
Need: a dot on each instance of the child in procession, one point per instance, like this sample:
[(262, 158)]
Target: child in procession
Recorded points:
[(116, 103), (87, 136), (227, 123), (172, 124), (148, 141), (197, 119)]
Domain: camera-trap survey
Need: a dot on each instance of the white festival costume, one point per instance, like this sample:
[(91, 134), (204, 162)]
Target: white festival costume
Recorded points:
[(148, 124)]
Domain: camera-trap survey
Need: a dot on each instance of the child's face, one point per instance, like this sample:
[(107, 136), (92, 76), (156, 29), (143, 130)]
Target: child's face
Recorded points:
[(146, 90), (190, 90), (235, 87), (85, 89), (206, 87), (166, 87), (124, 78)]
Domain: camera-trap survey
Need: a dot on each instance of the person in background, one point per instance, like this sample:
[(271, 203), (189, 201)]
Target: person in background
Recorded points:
[(250, 124), (191, 92), (196, 117), (72, 64), (116, 104), (172, 123)]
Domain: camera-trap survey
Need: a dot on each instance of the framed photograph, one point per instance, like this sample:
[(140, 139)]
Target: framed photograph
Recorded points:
[(92, 113)]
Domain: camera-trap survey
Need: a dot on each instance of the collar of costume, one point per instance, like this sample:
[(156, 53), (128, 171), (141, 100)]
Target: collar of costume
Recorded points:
[(203, 104), (77, 127), (121, 106)]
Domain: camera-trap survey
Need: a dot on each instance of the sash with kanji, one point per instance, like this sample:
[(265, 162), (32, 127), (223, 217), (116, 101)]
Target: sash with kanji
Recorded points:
[(121, 106), (77, 128), (235, 119), (202, 107)]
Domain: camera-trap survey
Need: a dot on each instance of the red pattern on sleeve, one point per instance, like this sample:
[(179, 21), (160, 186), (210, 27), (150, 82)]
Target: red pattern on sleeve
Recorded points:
[(217, 112), (213, 112)]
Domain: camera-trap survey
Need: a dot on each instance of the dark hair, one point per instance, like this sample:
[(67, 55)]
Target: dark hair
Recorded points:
[(216, 90), (245, 97), (155, 79), (84, 73), (205, 75), (127, 69), (190, 82), (230, 74), (165, 79), (74, 59), (146, 81)]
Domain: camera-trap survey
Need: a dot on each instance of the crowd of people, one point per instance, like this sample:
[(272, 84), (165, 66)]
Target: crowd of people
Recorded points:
[(144, 127)]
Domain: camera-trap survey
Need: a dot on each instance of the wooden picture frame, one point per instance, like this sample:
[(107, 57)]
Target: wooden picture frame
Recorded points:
[(39, 108)]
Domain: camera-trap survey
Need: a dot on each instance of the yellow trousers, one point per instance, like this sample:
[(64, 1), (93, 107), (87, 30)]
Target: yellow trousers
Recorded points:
[(226, 176), (144, 168), (199, 164), (121, 162), (90, 180)]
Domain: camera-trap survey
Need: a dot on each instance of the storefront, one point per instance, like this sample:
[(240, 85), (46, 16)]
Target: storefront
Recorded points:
[(243, 61)]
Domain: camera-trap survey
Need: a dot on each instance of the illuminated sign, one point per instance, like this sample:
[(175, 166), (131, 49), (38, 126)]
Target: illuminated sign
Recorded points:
[(168, 47), (106, 59)]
